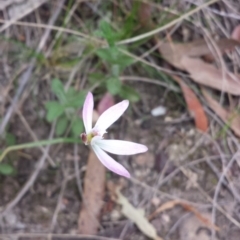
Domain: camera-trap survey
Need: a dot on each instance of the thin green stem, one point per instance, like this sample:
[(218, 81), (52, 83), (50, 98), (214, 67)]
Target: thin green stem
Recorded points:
[(37, 144), (168, 25)]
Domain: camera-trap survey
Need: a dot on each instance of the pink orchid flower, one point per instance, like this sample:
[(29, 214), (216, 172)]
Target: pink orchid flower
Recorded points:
[(94, 136)]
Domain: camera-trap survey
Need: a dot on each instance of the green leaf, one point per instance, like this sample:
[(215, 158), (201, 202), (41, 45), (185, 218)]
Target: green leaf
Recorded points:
[(75, 99), (77, 127), (58, 89), (54, 110), (98, 33), (113, 55), (96, 78), (131, 20), (6, 169), (125, 61), (129, 93), (66, 63), (109, 33), (116, 70), (108, 54), (113, 85), (61, 125), (10, 139), (71, 92)]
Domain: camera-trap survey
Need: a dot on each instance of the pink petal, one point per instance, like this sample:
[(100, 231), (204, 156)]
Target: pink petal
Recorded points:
[(87, 112), (110, 163), (120, 147), (106, 102), (110, 116)]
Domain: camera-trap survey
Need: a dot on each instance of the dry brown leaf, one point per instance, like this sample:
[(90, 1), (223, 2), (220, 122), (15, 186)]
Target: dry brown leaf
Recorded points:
[(94, 190), (169, 52), (144, 16), (194, 105), (191, 228), (164, 207), (137, 216), (173, 52), (94, 182), (231, 119), (188, 207), (203, 219), (236, 33), (210, 76), (185, 57)]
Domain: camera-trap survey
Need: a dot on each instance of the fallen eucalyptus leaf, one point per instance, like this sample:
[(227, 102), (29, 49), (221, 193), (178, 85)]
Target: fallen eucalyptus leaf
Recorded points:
[(210, 76), (137, 216), (231, 119), (194, 105)]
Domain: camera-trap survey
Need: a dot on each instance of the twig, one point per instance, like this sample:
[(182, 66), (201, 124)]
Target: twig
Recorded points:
[(55, 215), (191, 163), (30, 181), (26, 75), (208, 198), (218, 188), (50, 236), (165, 70), (33, 135), (221, 13), (77, 172), (36, 144), (177, 224), (23, 82), (74, 70), (34, 4), (148, 80), (66, 21), (163, 194), (168, 25), (50, 27)]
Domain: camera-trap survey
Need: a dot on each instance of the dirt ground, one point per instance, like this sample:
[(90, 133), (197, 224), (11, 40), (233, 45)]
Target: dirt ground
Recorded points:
[(187, 182)]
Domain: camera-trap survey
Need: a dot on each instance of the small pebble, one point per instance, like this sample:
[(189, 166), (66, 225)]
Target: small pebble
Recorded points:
[(168, 119), (115, 215), (158, 111), (145, 159), (155, 201), (165, 218)]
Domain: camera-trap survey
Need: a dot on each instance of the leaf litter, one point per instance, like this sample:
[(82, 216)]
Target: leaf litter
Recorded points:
[(208, 75), (231, 119), (137, 216), (194, 105), (171, 204), (189, 57), (168, 51), (94, 190)]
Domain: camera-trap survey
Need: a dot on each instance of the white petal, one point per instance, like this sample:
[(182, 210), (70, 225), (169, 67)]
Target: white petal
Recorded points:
[(110, 116), (110, 163), (87, 112), (120, 147)]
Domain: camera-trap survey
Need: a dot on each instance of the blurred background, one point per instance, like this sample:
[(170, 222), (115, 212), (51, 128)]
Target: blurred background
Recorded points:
[(177, 62)]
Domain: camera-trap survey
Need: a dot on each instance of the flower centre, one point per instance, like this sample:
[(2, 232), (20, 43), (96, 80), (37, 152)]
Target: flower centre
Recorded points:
[(87, 138)]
